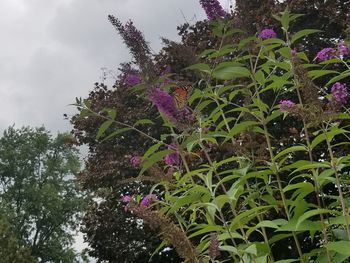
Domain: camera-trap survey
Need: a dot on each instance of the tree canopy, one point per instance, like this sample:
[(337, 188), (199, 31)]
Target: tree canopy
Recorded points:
[(40, 202)]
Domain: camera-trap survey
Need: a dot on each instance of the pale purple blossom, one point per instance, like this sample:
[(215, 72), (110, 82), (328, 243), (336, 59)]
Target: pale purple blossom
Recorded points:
[(213, 9), (136, 161), (134, 40), (132, 79), (267, 33), (286, 105), (126, 198), (172, 159), (165, 71), (339, 92), (294, 52), (326, 54), (147, 200), (343, 49)]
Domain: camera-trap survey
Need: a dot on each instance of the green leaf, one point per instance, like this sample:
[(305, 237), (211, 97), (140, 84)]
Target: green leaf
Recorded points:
[(314, 74), (285, 20), (292, 149), (229, 249), (330, 135), (241, 127), (205, 229), (151, 150), (182, 201), (143, 122), (342, 247), (104, 126), (200, 66), (311, 213), (342, 75), (112, 113), (303, 33), (115, 133), (229, 73), (154, 158)]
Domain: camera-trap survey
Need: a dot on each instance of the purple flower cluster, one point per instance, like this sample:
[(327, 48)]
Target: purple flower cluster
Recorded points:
[(326, 54), (147, 200), (286, 105), (134, 40), (136, 161), (343, 49), (132, 79), (126, 199), (339, 92), (213, 9), (172, 159), (164, 102), (267, 33), (165, 71)]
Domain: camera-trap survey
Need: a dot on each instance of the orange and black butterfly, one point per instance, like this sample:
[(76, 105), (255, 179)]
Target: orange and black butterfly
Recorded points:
[(180, 96)]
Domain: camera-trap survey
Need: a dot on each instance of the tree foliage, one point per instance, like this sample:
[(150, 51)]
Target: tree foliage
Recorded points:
[(38, 194)]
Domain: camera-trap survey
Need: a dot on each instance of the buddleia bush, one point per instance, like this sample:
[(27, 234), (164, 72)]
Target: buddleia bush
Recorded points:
[(255, 166)]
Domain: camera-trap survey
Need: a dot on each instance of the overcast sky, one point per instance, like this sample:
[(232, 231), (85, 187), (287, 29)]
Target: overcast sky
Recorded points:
[(52, 51)]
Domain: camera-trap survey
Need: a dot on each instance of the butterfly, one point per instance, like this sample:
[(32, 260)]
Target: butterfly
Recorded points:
[(180, 96)]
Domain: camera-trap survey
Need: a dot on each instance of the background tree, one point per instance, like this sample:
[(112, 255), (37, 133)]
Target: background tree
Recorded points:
[(38, 192), (251, 17), (10, 251)]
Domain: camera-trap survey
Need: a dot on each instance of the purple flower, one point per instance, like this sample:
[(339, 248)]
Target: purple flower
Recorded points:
[(325, 54), (339, 92), (172, 159), (164, 102), (294, 52), (267, 33), (126, 198), (136, 161), (147, 200), (286, 105), (132, 79), (213, 9), (133, 39), (165, 71), (343, 49)]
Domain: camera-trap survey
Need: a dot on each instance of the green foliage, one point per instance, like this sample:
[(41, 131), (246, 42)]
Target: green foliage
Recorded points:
[(38, 193), (10, 251), (256, 182)]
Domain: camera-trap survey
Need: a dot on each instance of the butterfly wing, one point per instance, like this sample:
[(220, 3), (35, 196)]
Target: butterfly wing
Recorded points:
[(180, 96)]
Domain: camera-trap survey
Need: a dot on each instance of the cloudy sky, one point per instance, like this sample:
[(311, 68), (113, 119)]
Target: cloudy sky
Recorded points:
[(52, 51)]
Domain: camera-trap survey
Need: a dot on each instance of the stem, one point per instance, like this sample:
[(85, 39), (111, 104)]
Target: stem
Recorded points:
[(247, 185), (225, 191), (337, 181), (268, 141), (318, 189)]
